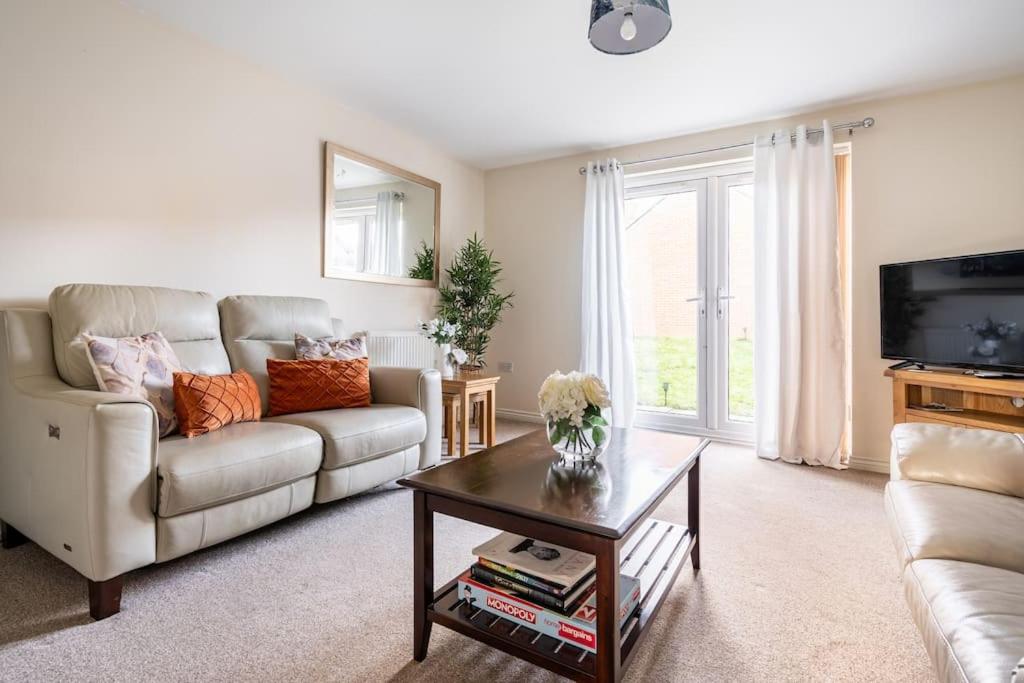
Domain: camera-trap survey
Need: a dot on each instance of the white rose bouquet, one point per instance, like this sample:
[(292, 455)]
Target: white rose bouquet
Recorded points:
[(572, 405)]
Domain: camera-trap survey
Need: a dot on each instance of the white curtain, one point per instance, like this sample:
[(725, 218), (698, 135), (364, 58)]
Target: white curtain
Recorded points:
[(382, 251), (798, 322), (607, 335)]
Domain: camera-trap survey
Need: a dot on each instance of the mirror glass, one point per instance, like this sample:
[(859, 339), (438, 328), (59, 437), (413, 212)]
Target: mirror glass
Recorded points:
[(381, 222)]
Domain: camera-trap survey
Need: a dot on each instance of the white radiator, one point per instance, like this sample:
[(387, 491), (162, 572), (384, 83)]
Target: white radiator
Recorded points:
[(400, 348)]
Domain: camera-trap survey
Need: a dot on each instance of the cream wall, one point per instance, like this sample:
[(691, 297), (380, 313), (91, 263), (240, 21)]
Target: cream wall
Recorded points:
[(133, 153), (941, 174)]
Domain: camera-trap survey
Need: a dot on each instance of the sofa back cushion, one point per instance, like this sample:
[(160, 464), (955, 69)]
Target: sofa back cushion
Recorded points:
[(256, 328), (975, 458), (188, 320)]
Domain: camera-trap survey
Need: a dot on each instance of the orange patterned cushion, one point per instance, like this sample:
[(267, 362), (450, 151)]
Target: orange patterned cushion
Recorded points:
[(299, 386), (205, 403)]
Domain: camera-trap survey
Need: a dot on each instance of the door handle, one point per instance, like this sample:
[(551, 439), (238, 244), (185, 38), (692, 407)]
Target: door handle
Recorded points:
[(721, 296), (702, 309)]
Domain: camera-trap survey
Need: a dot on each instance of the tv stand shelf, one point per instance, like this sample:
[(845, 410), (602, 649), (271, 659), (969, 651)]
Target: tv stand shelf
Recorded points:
[(985, 403)]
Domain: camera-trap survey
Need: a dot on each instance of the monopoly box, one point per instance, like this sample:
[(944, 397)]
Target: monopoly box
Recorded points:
[(580, 629)]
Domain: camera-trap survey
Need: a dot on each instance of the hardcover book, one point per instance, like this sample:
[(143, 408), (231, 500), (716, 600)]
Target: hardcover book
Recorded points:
[(509, 585), (580, 629), (556, 589), (547, 561)]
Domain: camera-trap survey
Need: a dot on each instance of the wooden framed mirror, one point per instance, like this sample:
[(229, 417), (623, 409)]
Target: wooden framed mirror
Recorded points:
[(381, 223)]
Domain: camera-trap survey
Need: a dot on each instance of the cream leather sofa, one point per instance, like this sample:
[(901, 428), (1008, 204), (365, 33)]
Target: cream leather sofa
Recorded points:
[(83, 474), (956, 511)]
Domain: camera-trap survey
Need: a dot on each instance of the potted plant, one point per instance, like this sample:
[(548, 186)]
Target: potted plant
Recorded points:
[(470, 299)]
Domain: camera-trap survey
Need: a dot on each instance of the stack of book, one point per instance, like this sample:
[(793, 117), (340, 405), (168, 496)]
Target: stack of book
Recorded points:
[(543, 586)]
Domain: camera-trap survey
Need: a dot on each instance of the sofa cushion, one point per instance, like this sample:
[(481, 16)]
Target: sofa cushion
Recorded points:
[(354, 435), (256, 328), (977, 458), (188, 320), (231, 463), (938, 521), (299, 386), (970, 616)]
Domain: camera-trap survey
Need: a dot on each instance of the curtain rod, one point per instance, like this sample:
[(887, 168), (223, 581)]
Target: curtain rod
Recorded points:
[(863, 123)]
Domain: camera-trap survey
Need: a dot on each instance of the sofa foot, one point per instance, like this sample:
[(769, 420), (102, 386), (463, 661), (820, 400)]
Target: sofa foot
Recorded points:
[(10, 537), (105, 597)]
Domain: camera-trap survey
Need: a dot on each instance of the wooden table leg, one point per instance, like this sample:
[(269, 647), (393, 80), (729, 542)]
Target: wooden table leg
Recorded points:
[(449, 426), (693, 510), (423, 572), (492, 418), (608, 646), (481, 423), (464, 427)]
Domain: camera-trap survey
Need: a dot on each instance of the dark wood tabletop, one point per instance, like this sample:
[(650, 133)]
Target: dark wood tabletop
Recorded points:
[(637, 468)]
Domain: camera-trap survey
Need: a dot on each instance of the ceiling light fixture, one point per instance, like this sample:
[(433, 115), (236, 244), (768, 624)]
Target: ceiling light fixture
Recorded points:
[(623, 27)]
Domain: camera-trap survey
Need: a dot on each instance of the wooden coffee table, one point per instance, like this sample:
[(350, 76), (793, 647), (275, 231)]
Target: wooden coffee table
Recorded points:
[(604, 512)]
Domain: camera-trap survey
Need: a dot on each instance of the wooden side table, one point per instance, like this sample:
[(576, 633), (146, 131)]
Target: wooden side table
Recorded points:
[(459, 393)]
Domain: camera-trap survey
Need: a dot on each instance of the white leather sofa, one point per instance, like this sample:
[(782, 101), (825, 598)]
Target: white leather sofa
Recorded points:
[(83, 474), (955, 507)]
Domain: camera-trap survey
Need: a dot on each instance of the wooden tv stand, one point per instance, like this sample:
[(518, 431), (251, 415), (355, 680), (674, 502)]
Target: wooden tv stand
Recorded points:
[(986, 403)]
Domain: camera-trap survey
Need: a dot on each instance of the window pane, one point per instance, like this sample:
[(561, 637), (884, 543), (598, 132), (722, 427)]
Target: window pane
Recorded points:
[(343, 245), (662, 246), (741, 307)]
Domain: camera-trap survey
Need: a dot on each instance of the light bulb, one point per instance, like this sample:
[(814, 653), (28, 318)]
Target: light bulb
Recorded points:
[(628, 30)]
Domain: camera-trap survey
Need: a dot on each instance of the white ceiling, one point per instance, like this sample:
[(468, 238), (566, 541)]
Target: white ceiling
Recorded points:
[(497, 82), (349, 173)]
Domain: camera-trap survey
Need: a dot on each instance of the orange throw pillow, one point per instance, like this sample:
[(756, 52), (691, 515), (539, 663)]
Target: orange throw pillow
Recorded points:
[(299, 386), (205, 403)]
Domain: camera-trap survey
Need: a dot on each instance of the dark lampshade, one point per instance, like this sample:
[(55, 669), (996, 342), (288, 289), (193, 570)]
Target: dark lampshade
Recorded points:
[(627, 26)]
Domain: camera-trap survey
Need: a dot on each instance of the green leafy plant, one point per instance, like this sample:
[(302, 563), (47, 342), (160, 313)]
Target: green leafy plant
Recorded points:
[(470, 298), (424, 267)]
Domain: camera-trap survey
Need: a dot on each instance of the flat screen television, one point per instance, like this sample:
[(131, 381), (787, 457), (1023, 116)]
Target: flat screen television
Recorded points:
[(963, 312)]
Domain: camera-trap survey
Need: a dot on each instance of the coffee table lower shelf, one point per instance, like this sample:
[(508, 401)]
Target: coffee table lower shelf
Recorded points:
[(654, 554)]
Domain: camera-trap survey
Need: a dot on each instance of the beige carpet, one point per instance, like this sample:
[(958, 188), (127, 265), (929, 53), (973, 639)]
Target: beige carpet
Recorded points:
[(799, 583)]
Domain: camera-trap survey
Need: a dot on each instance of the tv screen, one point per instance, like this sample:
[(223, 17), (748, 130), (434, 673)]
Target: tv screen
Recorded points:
[(960, 312)]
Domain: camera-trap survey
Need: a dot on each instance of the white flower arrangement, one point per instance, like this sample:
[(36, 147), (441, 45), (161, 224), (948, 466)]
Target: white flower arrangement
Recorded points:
[(572, 405), (439, 331), (443, 333)]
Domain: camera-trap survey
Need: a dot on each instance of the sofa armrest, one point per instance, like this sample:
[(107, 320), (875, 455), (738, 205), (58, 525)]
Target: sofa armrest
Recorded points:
[(77, 467), (974, 458), (419, 388)]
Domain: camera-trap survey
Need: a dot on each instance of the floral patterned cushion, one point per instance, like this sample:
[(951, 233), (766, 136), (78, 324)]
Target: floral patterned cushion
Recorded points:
[(329, 348), (141, 366)]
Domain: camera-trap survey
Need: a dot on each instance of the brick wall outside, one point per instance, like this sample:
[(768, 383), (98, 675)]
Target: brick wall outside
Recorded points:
[(662, 262)]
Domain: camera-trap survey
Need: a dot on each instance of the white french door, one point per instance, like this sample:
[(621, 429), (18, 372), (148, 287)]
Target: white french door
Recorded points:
[(689, 240)]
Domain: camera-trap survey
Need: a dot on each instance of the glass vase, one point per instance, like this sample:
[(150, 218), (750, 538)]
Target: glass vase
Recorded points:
[(576, 445)]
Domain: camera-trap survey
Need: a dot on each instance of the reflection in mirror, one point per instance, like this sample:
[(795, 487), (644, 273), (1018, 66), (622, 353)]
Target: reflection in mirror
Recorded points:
[(381, 222)]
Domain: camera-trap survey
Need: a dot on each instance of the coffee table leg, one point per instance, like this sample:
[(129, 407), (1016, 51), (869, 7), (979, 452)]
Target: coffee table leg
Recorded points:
[(423, 571), (693, 510), (608, 646)]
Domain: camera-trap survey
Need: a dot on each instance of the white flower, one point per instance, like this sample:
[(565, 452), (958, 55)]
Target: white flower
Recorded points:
[(566, 397), (459, 356)]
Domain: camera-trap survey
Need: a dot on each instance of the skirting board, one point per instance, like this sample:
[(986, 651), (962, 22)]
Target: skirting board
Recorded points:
[(880, 466), (520, 416)]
